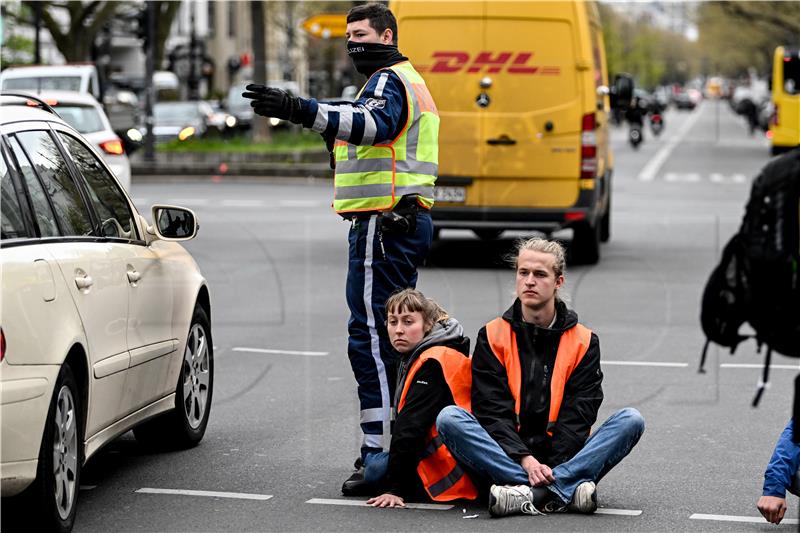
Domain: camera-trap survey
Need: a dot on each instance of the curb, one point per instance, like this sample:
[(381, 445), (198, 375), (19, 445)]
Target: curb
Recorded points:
[(296, 170)]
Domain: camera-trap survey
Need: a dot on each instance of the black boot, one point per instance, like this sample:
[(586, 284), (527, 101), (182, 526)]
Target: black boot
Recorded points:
[(356, 485)]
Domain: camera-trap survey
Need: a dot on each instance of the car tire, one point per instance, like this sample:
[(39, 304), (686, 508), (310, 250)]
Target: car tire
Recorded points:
[(185, 425), (487, 234), (54, 493), (585, 247)]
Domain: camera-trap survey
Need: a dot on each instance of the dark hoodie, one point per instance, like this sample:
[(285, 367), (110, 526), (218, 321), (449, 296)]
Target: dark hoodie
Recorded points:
[(493, 404), (426, 397)]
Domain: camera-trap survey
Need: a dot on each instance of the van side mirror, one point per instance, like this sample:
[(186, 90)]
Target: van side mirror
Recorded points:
[(174, 223)]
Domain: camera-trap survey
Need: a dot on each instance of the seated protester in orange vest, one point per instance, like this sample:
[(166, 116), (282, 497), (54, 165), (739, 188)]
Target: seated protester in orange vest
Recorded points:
[(434, 373), (536, 390)]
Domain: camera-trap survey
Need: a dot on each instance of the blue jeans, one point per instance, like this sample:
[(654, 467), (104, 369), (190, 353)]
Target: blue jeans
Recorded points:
[(472, 446), (376, 465)]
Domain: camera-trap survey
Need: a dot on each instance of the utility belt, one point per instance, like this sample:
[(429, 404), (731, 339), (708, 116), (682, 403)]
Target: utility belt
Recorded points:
[(400, 220)]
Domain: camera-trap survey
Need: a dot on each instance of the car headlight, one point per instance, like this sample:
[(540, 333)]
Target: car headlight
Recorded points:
[(274, 121), (185, 133), (230, 121), (134, 135)]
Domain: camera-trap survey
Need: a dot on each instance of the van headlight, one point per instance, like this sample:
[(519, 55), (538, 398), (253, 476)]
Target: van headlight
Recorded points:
[(185, 133)]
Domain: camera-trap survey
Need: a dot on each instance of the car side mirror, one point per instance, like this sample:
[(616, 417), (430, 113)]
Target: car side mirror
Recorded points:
[(174, 223)]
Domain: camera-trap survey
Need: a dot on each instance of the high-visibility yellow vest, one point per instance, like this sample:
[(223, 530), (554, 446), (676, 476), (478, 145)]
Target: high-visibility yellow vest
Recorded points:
[(375, 178)]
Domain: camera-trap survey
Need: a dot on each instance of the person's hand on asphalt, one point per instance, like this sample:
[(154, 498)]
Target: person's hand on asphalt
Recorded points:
[(772, 507), (386, 500), (538, 474), (272, 102)]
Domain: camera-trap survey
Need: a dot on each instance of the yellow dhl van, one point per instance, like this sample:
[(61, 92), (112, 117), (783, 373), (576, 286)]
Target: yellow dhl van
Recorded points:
[(522, 91), (784, 127)]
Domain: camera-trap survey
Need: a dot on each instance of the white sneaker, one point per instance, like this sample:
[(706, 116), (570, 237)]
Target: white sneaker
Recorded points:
[(506, 500), (585, 498)]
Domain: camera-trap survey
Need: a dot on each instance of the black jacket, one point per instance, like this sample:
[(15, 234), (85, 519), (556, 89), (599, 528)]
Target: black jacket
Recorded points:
[(426, 397), (493, 404)]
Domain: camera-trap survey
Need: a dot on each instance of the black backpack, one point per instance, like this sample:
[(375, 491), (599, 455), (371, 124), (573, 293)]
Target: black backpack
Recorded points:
[(757, 279)]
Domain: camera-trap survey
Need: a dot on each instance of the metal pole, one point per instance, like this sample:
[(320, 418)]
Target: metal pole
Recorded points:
[(37, 23), (193, 81), (150, 92)]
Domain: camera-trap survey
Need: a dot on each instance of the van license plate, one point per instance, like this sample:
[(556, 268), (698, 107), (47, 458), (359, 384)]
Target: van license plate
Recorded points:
[(450, 194)]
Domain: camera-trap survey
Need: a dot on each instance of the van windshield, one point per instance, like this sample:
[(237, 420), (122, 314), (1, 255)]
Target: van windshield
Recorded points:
[(50, 83), (85, 119)]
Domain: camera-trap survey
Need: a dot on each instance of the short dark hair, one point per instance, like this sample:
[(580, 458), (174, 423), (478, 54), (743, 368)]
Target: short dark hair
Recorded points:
[(379, 16)]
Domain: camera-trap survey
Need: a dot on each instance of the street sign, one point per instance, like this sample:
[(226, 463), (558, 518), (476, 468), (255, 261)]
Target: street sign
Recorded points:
[(326, 25)]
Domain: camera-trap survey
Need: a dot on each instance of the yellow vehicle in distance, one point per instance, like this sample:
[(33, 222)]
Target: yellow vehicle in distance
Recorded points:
[(784, 126), (522, 91)]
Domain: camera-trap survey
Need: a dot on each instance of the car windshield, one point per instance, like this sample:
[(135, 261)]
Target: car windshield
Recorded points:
[(85, 119), (50, 83), (172, 111)]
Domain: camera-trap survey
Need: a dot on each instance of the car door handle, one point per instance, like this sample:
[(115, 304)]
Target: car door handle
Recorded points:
[(84, 282), (502, 140), (134, 276)]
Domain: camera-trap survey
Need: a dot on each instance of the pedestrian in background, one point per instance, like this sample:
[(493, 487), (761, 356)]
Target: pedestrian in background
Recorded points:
[(536, 391), (780, 476), (385, 146), (434, 373)]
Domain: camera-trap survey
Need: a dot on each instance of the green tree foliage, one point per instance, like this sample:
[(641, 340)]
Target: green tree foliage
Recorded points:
[(652, 55), (735, 36)]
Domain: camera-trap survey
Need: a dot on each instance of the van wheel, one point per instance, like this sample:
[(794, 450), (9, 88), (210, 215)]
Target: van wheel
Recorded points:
[(55, 491), (585, 247), (184, 426), (487, 234)]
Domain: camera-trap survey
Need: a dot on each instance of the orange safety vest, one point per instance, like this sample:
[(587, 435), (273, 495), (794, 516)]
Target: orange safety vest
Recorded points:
[(442, 476), (572, 347)]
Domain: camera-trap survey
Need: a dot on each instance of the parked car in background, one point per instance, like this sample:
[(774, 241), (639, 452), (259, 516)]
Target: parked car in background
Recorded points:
[(76, 77), (180, 120), (220, 120), (105, 317), (84, 113)]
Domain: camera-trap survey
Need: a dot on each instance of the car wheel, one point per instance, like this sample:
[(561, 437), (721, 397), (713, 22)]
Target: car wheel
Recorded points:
[(487, 234), (55, 490), (585, 247), (184, 426)]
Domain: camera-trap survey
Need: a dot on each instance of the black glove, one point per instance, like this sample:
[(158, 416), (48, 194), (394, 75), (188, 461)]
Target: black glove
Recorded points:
[(271, 102)]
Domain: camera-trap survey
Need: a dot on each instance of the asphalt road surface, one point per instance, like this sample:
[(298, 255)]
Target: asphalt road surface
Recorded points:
[(283, 431)]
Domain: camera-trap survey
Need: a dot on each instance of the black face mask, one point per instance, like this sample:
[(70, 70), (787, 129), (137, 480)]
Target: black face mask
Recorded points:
[(370, 57)]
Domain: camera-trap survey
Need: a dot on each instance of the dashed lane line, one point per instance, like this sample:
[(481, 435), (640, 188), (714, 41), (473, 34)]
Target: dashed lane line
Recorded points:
[(618, 512), (644, 363), (758, 366), (650, 170), (207, 493), (363, 503), (731, 518), (279, 352)]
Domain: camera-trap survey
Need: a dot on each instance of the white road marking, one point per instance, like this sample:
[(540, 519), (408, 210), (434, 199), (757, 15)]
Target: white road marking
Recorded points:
[(242, 203), (754, 365), (731, 518), (644, 363), (187, 202), (619, 512), (207, 493), (88, 487), (650, 170), (739, 178), (691, 177), (299, 203), (280, 352), (363, 503)]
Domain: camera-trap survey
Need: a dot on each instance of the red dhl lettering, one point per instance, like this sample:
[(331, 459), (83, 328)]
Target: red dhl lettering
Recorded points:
[(450, 62)]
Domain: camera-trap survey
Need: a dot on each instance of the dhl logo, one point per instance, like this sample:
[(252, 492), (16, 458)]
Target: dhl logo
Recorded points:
[(449, 62)]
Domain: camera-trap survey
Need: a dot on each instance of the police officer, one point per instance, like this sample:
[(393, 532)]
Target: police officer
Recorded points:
[(385, 146)]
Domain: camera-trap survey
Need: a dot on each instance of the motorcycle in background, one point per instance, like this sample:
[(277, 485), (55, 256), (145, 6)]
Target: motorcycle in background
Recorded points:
[(656, 123)]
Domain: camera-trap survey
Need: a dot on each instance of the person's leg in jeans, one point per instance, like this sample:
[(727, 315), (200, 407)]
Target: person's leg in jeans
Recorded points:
[(376, 466), (472, 447), (604, 449)]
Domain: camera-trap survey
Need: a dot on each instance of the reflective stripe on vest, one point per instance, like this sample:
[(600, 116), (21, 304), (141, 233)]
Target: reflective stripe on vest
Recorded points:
[(572, 347), (442, 476), (374, 178)]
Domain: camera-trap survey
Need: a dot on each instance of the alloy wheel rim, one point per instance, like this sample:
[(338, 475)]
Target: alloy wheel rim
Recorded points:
[(196, 376), (65, 452)]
